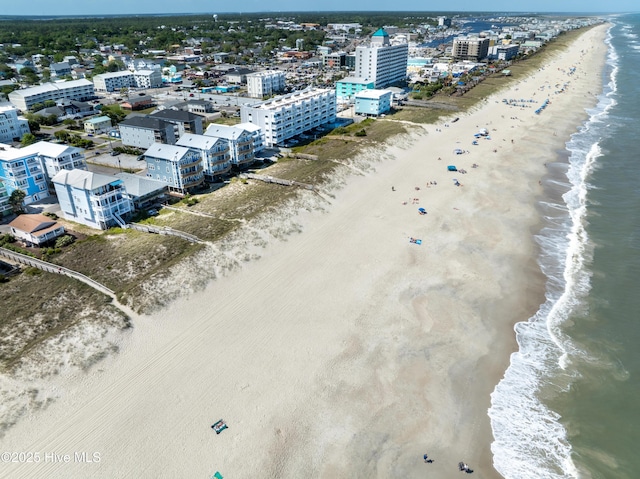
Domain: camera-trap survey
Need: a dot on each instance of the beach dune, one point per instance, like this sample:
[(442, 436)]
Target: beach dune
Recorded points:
[(346, 350)]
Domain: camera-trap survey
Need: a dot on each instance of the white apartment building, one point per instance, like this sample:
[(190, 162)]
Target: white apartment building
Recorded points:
[(289, 115), (12, 128), (265, 83), (80, 90), (147, 78), (381, 62), (114, 81)]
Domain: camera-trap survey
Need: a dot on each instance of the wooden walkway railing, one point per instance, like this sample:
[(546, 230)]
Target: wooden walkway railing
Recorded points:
[(164, 230), (278, 181), (54, 268)]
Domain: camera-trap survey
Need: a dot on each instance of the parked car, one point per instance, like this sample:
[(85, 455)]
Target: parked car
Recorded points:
[(115, 153), (153, 212)]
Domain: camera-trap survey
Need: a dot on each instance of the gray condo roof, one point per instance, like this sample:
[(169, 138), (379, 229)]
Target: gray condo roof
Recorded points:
[(179, 115), (145, 122), (84, 180), (138, 186), (224, 131), (200, 142), (166, 152)]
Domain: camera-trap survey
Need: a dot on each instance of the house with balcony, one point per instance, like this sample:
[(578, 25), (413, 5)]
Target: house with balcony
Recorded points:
[(36, 230), (215, 154), (143, 131), (98, 201), (21, 169), (60, 69), (240, 140), (256, 133), (54, 158), (180, 168), (97, 125), (286, 116)]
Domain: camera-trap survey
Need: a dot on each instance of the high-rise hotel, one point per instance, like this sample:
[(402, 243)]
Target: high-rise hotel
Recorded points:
[(381, 62)]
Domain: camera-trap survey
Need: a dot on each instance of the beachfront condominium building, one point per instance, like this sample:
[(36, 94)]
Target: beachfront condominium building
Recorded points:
[(347, 88), (20, 169), (5, 206), (262, 84), (241, 143), (373, 102), (289, 115), (12, 128), (470, 48), (215, 154), (179, 167), (381, 62), (92, 199), (143, 131), (42, 159), (25, 99), (55, 158), (114, 81), (256, 133)]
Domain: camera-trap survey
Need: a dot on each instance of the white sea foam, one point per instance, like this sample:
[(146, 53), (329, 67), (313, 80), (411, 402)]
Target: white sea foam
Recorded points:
[(530, 442)]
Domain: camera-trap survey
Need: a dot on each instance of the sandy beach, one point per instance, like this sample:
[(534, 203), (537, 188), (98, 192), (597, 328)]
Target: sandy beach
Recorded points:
[(346, 350)]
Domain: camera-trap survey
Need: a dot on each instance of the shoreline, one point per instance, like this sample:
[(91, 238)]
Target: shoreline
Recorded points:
[(347, 324)]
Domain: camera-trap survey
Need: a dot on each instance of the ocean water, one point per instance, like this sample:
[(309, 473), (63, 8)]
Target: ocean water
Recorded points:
[(569, 403)]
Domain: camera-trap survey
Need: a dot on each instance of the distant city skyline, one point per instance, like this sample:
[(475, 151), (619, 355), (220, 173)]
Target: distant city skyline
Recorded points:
[(128, 7)]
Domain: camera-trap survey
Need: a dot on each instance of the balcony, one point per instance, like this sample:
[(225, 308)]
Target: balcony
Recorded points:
[(188, 161), (191, 170), (192, 180)]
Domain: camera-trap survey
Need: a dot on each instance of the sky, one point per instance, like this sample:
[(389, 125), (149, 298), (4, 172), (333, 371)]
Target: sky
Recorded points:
[(125, 7)]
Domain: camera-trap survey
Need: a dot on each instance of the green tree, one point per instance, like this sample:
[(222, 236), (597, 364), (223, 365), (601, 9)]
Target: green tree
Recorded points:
[(28, 139), (114, 112), (30, 76), (16, 199), (34, 125), (62, 135)]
